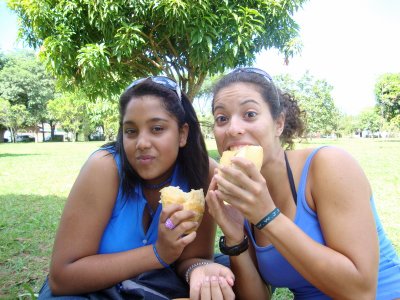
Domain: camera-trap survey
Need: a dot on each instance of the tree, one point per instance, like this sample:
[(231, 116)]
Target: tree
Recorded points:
[(12, 117), (369, 119), (387, 93), (70, 111), (24, 81), (104, 45), (315, 99)]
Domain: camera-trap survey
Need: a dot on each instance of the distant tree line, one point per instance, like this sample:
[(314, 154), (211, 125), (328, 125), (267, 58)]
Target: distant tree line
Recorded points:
[(30, 98)]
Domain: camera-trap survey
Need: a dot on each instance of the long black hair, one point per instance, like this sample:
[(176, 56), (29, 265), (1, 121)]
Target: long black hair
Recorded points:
[(193, 157)]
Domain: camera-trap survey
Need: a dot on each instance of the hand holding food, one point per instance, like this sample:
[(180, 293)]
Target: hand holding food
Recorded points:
[(193, 200)]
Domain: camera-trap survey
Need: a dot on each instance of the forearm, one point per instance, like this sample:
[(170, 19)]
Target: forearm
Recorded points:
[(248, 282), (96, 272), (328, 270)]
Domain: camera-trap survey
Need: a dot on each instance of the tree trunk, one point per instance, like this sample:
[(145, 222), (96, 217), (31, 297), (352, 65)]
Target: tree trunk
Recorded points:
[(2, 131), (42, 131)]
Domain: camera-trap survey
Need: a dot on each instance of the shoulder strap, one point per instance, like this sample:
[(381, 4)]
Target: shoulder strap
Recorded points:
[(291, 180)]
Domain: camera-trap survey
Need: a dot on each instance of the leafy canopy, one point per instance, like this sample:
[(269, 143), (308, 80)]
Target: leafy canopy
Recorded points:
[(104, 45), (387, 92)]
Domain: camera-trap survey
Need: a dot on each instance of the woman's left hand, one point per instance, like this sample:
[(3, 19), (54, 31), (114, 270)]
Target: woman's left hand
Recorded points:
[(212, 281)]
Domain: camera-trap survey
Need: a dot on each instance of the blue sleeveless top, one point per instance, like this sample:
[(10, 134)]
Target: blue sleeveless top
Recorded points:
[(124, 230), (276, 270)]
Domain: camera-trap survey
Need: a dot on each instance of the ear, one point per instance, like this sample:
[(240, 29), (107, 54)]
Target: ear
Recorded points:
[(279, 124), (183, 134)]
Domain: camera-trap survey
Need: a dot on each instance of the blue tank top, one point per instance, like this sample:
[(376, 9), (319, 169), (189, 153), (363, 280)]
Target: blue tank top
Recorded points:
[(124, 230), (276, 270)]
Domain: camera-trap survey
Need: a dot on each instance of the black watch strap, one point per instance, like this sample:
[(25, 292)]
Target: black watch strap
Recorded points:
[(234, 250)]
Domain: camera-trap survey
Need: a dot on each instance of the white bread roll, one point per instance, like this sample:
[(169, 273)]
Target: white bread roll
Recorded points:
[(193, 200), (253, 153)]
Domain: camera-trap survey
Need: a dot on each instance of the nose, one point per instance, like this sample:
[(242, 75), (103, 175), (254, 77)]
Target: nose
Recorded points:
[(235, 126), (143, 142)]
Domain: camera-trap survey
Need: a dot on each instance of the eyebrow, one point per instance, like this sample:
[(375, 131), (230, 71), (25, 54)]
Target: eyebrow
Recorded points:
[(241, 104), (152, 120)]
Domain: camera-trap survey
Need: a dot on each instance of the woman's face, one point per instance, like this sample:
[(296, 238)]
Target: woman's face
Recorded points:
[(151, 137), (242, 117)]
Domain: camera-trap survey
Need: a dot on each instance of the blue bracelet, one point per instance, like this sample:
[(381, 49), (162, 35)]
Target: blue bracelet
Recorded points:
[(165, 265), (268, 218)]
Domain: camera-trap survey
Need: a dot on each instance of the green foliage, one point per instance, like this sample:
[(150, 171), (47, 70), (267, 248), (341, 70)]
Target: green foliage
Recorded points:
[(387, 92), (369, 119), (104, 113), (315, 99), (103, 45), (70, 110), (24, 81)]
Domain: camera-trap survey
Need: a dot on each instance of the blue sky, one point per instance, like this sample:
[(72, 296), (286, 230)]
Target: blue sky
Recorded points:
[(347, 43)]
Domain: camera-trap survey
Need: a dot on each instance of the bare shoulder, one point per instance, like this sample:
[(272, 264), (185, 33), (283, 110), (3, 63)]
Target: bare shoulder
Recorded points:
[(334, 170), (97, 180), (333, 159)]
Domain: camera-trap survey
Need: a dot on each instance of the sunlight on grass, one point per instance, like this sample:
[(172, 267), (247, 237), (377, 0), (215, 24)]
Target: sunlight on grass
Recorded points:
[(36, 179)]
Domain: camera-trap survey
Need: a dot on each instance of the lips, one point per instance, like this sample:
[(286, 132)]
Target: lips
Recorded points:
[(237, 146), (145, 158)]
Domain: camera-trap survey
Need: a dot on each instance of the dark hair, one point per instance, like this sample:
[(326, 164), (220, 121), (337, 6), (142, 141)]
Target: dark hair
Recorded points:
[(193, 157), (278, 102)]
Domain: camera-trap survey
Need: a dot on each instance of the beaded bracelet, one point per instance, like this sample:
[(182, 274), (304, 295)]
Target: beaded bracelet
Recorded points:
[(164, 264), (268, 218), (194, 266)]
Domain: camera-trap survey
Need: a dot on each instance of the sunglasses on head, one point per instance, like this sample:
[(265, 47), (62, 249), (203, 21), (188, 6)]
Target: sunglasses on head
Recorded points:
[(162, 80), (254, 70)]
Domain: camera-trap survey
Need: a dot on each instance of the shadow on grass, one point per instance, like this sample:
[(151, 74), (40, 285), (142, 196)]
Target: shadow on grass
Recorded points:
[(27, 228), (15, 154)]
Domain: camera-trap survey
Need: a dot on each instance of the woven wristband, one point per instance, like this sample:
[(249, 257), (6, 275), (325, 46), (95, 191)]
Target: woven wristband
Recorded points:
[(268, 218), (164, 264)]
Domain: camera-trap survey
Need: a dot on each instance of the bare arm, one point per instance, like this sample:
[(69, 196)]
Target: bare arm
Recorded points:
[(76, 267), (347, 266)]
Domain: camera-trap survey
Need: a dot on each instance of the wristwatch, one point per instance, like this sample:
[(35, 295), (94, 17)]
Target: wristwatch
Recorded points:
[(234, 250)]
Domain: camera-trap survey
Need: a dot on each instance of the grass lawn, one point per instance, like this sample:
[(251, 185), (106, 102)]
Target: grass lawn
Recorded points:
[(35, 180)]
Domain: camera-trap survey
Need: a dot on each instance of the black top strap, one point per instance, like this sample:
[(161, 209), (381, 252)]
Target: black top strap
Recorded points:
[(291, 180)]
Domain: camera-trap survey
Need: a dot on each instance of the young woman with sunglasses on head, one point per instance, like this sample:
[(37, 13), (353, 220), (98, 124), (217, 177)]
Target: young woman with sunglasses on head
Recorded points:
[(307, 220), (113, 227)]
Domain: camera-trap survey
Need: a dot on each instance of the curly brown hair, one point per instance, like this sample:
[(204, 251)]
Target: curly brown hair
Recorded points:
[(277, 100)]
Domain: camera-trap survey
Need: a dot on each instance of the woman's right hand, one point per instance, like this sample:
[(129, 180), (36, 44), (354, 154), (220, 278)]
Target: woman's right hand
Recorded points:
[(229, 219), (171, 242)]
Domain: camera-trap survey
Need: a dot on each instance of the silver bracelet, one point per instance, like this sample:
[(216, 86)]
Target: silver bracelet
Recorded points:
[(194, 266)]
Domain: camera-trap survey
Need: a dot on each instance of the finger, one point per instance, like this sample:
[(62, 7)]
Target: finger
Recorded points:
[(246, 166), (169, 210), (181, 215), (228, 275), (185, 228), (228, 190), (226, 289), (216, 293), (185, 240), (235, 176), (213, 183), (195, 290), (206, 288)]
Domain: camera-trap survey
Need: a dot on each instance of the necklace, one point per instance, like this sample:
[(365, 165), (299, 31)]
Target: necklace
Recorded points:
[(157, 185)]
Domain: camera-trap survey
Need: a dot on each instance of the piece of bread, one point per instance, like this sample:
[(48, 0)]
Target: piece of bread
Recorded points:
[(193, 200), (253, 153)]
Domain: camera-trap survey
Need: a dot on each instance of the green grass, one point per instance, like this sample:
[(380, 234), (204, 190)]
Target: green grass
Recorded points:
[(35, 180)]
